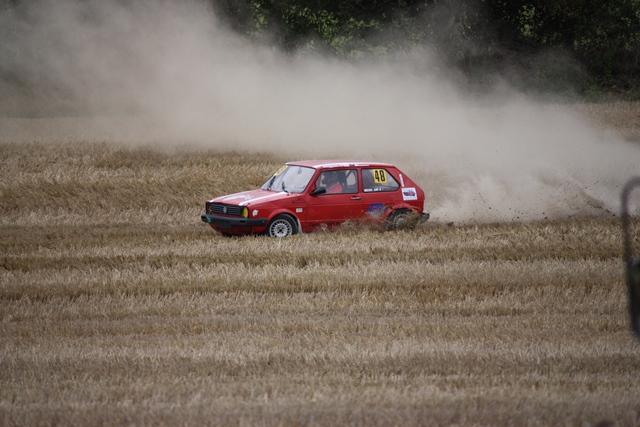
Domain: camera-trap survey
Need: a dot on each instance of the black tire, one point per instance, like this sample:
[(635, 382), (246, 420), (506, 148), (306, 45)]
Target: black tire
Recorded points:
[(400, 219), (282, 226)]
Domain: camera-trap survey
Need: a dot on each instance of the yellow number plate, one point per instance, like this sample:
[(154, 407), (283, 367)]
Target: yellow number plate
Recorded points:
[(379, 176)]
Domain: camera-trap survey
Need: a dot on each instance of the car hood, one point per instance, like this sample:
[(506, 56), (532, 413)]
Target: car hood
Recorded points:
[(250, 197)]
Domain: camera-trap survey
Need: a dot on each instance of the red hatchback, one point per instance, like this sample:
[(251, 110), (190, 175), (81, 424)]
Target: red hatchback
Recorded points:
[(304, 196)]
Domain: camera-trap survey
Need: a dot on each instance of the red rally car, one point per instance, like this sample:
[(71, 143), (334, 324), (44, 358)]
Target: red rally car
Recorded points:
[(307, 195)]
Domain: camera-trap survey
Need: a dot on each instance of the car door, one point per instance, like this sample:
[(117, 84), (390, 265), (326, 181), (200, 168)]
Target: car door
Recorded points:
[(379, 191), (340, 202)]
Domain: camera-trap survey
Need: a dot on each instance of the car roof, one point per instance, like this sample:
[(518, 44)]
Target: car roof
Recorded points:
[(323, 164)]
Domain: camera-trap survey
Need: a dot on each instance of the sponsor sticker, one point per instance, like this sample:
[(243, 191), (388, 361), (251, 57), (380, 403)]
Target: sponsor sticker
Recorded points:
[(409, 193), (376, 209)]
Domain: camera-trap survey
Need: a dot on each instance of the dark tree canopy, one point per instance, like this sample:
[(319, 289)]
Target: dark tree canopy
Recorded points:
[(584, 47), (591, 44)]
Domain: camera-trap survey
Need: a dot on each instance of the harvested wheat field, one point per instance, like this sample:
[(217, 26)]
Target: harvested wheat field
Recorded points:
[(118, 306)]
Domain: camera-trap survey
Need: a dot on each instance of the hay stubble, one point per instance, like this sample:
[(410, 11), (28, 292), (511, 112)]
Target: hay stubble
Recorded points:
[(117, 306)]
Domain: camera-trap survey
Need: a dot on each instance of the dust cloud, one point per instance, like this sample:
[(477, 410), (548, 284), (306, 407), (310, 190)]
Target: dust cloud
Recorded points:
[(170, 72)]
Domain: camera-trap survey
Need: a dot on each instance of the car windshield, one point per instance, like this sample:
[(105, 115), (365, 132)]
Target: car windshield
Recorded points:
[(289, 178)]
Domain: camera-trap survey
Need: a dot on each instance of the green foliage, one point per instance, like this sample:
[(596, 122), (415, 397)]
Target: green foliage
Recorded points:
[(583, 46), (586, 44)]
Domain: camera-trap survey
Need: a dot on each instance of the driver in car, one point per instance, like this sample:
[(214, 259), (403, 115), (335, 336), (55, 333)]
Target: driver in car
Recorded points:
[(331, 183)]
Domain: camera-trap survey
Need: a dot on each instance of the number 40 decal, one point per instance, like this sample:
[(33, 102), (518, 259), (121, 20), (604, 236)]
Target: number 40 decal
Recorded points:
[(379, 176)]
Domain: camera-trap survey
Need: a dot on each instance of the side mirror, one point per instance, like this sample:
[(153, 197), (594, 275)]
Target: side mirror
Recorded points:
[(318, 190), (632, 264)]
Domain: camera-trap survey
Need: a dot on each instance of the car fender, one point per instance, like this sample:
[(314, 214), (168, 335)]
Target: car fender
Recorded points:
[(282, 211), (401, 205), (286, 212)]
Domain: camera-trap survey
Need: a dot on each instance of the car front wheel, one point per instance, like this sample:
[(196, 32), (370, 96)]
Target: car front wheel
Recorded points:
[(282, 226)]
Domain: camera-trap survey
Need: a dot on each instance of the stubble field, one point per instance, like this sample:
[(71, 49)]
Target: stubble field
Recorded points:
[(118, 306)]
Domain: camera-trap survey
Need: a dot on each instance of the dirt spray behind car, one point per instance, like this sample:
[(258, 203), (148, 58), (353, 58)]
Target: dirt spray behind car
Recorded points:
[(632, 262)]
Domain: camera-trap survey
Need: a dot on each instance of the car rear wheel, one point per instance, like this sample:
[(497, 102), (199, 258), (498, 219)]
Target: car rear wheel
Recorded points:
[(400, 219), (282, 226)]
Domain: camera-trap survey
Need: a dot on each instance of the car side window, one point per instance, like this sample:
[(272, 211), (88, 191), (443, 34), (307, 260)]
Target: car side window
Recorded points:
[(378, 180), (338, 181), (351, 181)]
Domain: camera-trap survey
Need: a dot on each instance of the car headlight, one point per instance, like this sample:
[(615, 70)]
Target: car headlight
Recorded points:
[(245, 212)]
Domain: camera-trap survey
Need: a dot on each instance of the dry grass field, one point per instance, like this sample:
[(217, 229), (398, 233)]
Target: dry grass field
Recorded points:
[(119, 307)]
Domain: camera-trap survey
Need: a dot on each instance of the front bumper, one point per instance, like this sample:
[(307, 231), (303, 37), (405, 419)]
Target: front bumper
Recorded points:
[(229, 222)]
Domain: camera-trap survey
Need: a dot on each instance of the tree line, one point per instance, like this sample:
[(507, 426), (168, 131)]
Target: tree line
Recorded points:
[(590, 47)]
